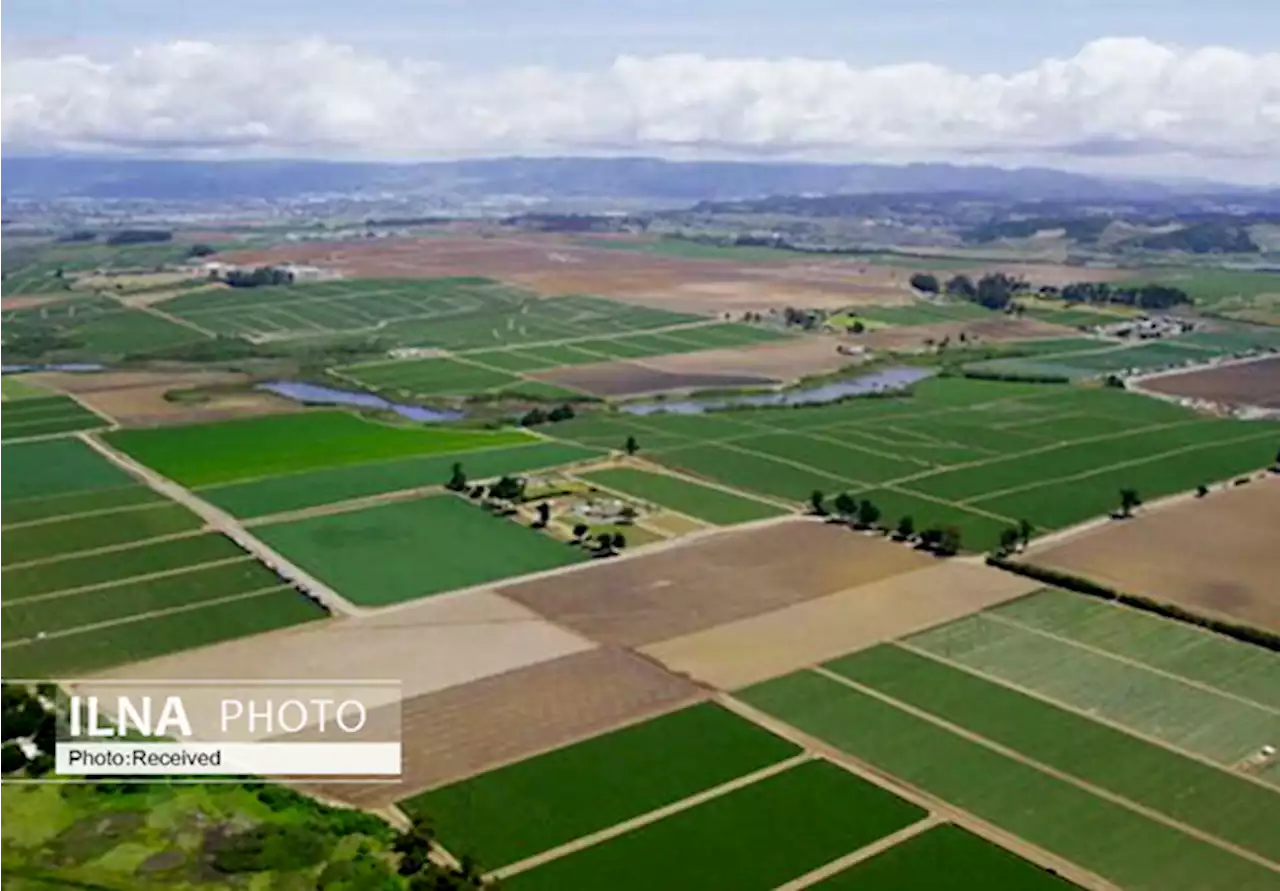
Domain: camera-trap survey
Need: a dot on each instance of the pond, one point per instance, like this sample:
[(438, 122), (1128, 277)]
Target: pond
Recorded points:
[(313, 394), (878, 382), (66, 366)]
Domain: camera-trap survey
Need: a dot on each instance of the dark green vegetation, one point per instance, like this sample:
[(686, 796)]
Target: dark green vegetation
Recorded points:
[(55, 467), (1102, 836), (1214, 801), (46, 416), (945, 858), (756, 837), (979, 456), (90, 327), (702, 502), (406, 549), (209, 454), (34, 510), (515, 812), (451, 313), (302, 490), (69, 535)]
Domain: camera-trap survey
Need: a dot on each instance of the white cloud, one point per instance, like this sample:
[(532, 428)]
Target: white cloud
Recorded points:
[(1125, 100)]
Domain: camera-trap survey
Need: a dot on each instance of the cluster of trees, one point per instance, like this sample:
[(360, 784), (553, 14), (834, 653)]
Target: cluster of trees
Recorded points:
[(1208, 237), (801, 318), (1148, 296), (201, 250), (865, 514), (30, 729), (139, 236), (605, 544), (535, 416), (997, 291), (256, 278)]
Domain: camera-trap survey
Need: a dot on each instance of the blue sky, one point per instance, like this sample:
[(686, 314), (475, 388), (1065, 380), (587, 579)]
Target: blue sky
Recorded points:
[(1158, 87), (968, 35)]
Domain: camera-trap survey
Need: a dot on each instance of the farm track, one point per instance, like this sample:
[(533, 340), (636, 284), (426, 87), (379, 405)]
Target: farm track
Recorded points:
[(864, 853), (108, 549), (145, 577), (44, 521), (1013, 754), (224, 523)]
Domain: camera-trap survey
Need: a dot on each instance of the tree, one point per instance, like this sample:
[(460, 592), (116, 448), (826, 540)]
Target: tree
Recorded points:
[(857, 327), (816, 503), (962, 286), (868, 514), (560, 413), (926, 282), (544, 515), (619, 541), (508, 488), (1202, 490), (201, 250), (1128, 501), (12, 758), (414, 847), (1008, 540), (477, 492), (932, 537), (580, 531), (846, 506), (457, 480), (950, 543), (631, 446), (533, 417), (906, 527), (1024, 531)]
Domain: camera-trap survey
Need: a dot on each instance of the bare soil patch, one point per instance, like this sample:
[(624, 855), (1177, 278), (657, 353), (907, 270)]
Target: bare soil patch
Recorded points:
[(137, 398), (467, 729), (698, 584), (429, 646), (553, 265), (633, 379), (1247, 383), (981, 331), (27, 301), (1215, 554), (785, 360), (750, 650)]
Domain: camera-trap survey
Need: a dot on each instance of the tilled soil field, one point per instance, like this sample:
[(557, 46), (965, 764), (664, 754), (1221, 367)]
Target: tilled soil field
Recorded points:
[(1246, 383), (692, 586), (1216, 554), (982, 331), (751, 650), (468, 729), (634, 378)]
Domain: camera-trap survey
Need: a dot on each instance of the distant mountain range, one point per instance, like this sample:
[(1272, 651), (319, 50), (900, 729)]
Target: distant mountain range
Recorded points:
[(675, 182)]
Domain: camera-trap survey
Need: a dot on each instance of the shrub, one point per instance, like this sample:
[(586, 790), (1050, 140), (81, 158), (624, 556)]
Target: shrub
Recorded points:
[(272, 847)]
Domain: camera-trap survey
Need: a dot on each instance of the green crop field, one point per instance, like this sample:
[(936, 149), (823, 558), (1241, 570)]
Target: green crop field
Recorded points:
[(923, 312), (131, 598), (33, 510), (70, 535), (945, 858), (977, 455), (517, 811), (450, 313), (1193, 718), (21, 583), (131, 331), (14, 387), (45, 416), (208, 454), (1222, 804), (298, 491), (701, 502), (1237, 294), (407, 549), (492, 370), (1075, 318), (756, 837), (1109, 839), (55, 467), (82, 652), (1240, 669)]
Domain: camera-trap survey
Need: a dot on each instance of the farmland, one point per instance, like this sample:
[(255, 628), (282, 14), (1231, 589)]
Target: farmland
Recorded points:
[(47, 416), (1246, 383), (211, 454), (402, 550), (977, 455), (702, 502), (56, 467), (93, 326)]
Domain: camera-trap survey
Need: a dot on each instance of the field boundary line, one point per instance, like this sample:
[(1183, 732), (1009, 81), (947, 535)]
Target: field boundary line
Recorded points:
[(653, 816), (1067, 707), (822, 437), (342, 507), (662, 508), (866, 852), (914, 794), (647, 467), (107, 549), (1208, 688), (1015, 755), (152, 309), (223, 522), (152, 614), (1135, 462), (64, 592), (125, 508)]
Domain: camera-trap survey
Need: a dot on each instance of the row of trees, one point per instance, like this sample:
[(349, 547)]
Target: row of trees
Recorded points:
[(535, 416), (997, 291), (865, 514), (263, 276)]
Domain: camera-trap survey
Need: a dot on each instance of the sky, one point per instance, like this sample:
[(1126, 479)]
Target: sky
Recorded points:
[(1178, 88)]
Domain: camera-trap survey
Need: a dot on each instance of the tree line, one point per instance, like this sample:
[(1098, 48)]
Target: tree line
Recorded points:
[(998, 291)]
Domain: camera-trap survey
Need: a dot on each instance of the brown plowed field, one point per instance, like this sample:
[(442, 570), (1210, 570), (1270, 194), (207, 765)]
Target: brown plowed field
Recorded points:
[(465, 730), (695, 585), (1247, 383), (633, 378), (981, 331), (1215, 554), (136, 398), (741, 653)]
